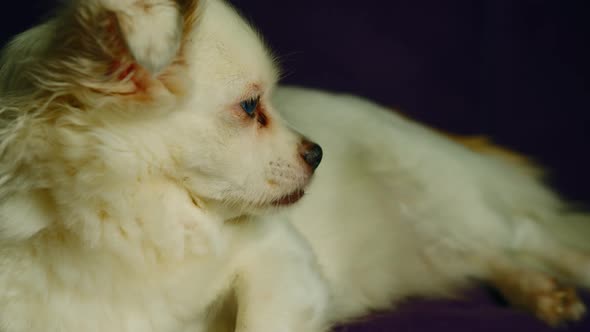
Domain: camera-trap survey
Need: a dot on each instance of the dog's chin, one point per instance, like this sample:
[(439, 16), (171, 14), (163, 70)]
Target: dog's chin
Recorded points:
[(288, 199), (275, 204), (246, 208)]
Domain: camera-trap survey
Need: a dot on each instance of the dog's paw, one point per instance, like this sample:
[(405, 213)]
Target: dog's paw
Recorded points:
[(556, 304), (152, 30), (542, 295)]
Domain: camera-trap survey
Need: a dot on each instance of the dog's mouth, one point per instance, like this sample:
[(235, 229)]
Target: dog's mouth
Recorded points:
[(289, 199)]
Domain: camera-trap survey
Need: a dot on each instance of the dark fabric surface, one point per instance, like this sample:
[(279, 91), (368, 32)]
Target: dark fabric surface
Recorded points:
[(478, 311), (516, 70)]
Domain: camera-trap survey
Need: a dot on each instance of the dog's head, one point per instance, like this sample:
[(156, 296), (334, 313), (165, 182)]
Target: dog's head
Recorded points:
[(243, 154), (114, 92)]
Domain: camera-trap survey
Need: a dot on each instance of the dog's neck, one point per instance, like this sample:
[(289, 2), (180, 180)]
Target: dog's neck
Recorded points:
[(142, 224)]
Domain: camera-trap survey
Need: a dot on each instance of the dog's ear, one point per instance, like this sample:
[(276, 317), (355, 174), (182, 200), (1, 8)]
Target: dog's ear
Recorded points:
[(117, 48), (152, 30)]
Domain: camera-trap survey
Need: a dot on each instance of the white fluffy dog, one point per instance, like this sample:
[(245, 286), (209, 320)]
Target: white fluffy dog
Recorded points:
[(143, 147)]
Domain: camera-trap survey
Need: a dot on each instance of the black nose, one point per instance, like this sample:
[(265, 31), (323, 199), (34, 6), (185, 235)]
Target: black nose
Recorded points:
[(312, 154)]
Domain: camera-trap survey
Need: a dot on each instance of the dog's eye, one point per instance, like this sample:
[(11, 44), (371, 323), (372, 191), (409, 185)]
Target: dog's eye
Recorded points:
[(249, 106)]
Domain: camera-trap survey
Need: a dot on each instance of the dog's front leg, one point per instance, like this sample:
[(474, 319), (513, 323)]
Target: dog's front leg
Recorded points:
[(279, 287)]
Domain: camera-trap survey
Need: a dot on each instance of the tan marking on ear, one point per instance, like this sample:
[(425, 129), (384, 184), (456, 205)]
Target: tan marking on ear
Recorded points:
[(189, 8)]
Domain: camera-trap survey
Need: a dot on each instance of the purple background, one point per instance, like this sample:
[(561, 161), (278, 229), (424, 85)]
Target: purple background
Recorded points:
[(516, 70)]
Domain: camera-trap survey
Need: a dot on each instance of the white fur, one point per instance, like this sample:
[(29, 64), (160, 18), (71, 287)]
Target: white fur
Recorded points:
[(398, 210), (152, 29), (141, 202)]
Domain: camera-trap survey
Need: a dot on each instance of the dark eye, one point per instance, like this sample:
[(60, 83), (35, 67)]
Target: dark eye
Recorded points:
[(249, 106)]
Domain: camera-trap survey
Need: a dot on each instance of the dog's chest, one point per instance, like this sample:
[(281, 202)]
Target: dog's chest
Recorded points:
[(162, 300)]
